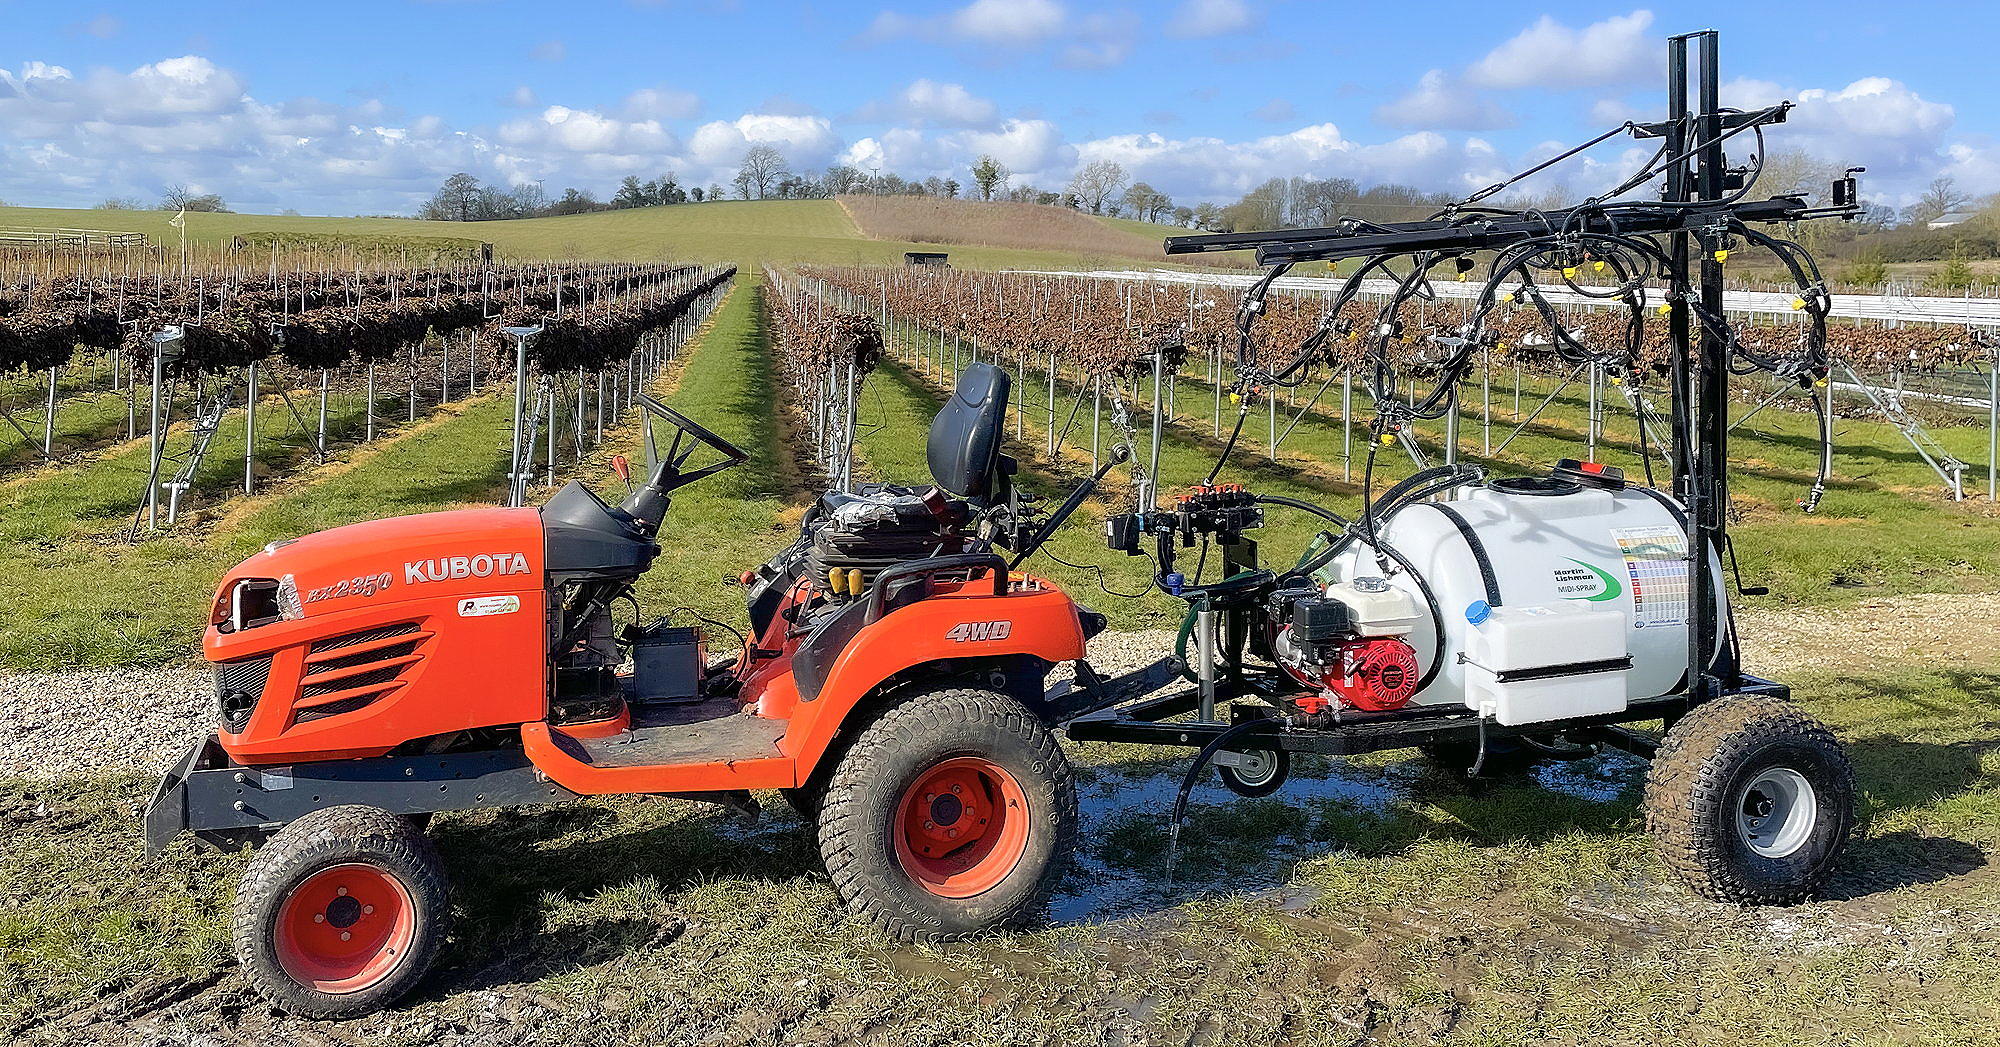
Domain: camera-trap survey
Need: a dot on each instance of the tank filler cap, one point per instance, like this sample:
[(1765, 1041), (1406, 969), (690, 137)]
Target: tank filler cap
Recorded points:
[(1370, 585), (1478, 611), (1589, 474)]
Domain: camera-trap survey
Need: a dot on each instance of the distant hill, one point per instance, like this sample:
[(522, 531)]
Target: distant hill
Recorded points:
[(1004, 224), (987, 236)]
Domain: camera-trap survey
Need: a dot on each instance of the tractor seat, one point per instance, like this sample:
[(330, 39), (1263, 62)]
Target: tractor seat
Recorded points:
[(884, 524)]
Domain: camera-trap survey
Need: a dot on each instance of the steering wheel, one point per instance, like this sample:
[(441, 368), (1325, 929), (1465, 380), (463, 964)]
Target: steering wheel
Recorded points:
[(671, 476), (695, 429)]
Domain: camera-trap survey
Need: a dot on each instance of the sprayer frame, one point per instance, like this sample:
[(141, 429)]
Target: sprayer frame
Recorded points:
[(1700, 415)]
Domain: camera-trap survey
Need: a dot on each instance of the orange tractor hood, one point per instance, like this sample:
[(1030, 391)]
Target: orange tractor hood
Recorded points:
[(383, 562)]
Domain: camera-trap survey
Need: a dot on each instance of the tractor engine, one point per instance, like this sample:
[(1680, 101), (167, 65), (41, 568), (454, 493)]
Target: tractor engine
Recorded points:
[(1346, 643)]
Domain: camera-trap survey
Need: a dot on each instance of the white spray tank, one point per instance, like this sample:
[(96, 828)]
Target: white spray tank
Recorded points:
[(1545, 586)]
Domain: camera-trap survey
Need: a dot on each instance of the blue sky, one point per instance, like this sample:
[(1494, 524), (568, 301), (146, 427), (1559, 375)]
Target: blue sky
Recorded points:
[(365, 105)]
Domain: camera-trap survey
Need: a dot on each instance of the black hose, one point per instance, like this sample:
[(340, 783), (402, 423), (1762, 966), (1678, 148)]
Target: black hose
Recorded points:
[(1202, 759), (1303, 506)]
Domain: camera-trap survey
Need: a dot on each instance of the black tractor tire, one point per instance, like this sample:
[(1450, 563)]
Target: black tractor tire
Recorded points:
[(352, 871), (1750, 801), (1261, 785), (956, 760)]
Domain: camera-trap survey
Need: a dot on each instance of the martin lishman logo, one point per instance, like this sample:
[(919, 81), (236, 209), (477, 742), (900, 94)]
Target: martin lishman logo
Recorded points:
[(447, 567), (1587, 582)]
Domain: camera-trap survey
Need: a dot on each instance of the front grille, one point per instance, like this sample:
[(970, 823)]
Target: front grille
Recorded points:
[(352, 671), (238, 685)]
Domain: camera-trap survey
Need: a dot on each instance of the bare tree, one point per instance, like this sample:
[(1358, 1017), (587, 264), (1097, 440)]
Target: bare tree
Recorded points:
[(763, 168), (181, 198), (989, 175), (1942, 198), (1097, 183)]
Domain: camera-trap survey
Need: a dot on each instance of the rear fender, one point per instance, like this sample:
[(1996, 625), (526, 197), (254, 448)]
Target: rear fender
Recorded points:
[(966, 632)]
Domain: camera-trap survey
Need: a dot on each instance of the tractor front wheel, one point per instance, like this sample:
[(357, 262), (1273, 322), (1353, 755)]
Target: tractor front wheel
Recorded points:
[(341, 913), (1750, 800), (952, 814)]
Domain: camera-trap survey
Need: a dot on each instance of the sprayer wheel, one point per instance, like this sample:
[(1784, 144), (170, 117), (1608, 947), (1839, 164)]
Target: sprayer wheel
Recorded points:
[(952, 814), (341, 913), (1750, 801), (1272, 767)]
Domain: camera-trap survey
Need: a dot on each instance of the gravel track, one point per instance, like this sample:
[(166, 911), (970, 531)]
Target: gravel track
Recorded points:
[(62, 724)]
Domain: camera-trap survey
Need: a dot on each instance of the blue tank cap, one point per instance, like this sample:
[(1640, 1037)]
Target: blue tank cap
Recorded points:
[(1478, 611)]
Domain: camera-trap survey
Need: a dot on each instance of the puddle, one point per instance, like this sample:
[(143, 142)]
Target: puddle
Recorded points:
[(1599, 779), (1100, 889)]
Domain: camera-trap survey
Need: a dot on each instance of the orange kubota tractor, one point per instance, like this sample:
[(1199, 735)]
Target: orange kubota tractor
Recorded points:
[(892, 685)]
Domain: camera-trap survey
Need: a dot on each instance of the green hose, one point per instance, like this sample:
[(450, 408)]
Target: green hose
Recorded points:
[(1195, 607)]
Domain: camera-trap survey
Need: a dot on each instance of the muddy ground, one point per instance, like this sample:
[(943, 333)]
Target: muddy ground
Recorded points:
[(1374, 900)]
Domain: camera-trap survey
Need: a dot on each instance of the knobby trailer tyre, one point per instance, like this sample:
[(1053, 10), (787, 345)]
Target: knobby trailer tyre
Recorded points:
[(341, 913), (1751, 801), (952, 814)]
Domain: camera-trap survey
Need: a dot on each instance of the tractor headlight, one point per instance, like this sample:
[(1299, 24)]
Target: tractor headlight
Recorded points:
[(248, 603), (289, 607)]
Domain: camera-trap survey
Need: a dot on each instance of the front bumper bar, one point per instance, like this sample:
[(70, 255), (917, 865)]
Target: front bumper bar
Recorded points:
[(225, 803)]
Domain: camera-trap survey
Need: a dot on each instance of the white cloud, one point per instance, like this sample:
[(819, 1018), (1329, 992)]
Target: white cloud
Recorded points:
[(1550, 54), (522, 97), (550, 51), (1097, 40), (660, 103), (586, 132), (1009, 22), (1221, 169), (1441, 102), (806, 141), (1902, 138), (1003, 23), (931, 102), (1204, 18)]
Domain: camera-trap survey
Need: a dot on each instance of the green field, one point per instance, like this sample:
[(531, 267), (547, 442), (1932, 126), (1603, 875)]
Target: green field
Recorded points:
[(742, 232)]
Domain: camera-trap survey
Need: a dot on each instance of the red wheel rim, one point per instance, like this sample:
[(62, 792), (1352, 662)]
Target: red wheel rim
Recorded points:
[(345, 928), (961, 827)]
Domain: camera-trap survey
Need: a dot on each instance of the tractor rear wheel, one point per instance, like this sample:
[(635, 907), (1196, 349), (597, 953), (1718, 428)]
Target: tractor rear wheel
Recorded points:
[(341, 913), (953, 813), (1750, 800)]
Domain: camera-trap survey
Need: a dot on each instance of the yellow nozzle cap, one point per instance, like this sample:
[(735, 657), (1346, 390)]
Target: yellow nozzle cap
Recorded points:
[(1508, 297), (1388, 438), (1569, 272), (1665, 308), (1722, 255), (1798, 303), (1819, 384), (1599, 266), (834, 579), (1502, 345), (1235, 398), (1615, 380), (1461, 278)]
